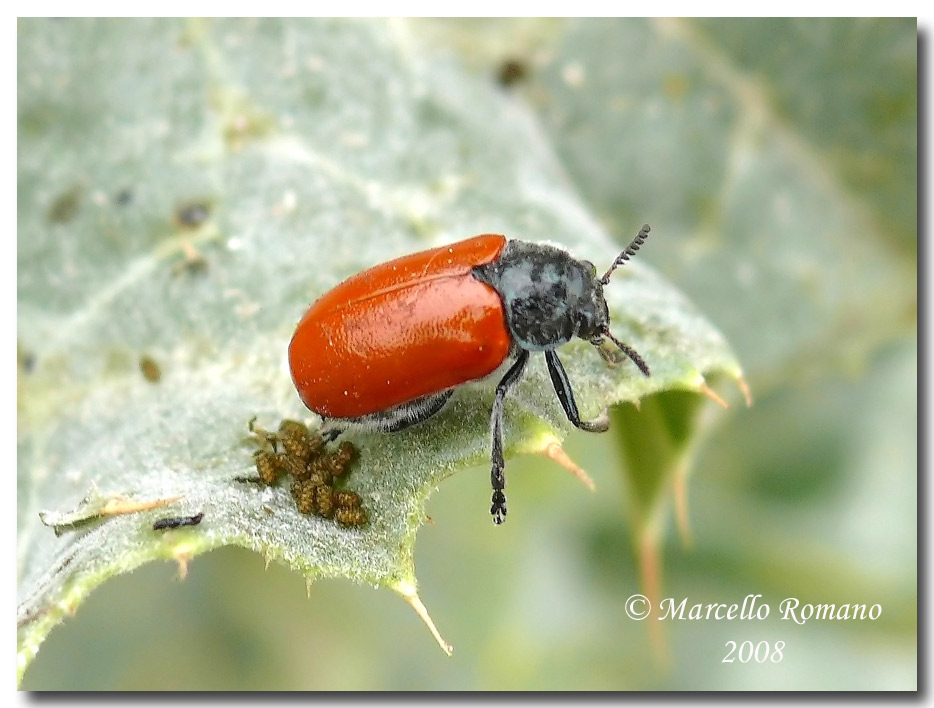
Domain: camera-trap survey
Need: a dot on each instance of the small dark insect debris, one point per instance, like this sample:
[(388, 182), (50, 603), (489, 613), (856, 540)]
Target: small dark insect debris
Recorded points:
[(298, 441), (351, 516), (268, 466), (303, 492), (349, 511), (511, 72), (175, 521), (191, 216), (300, 453), (320, 471), (293, 465), (324, 501), (346, 499), (152, 372)]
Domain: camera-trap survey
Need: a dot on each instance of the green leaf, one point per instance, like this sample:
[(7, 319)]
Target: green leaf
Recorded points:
[(659, 442), (779, 158), (185, 190), (655, 440), (778, 155)]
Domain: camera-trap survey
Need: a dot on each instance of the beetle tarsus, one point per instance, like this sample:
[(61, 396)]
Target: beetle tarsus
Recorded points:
[(498, 510)]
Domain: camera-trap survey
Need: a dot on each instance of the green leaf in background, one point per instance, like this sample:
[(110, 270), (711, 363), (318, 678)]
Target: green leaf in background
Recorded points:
[(658, 441), (780, 156), (783, 153), (186, 188)]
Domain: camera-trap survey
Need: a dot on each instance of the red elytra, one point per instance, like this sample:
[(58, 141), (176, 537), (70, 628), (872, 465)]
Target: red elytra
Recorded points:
[(401, 330)]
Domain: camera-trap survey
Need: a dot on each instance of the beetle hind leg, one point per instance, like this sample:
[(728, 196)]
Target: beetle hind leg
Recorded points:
[(392, 419), (408, 414), (330, 432)]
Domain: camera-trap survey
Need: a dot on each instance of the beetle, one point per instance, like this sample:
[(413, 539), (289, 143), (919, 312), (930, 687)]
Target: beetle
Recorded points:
[(386, 348)]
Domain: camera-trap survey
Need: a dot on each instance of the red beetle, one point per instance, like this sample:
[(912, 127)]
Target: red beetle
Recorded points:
[(386, 348)]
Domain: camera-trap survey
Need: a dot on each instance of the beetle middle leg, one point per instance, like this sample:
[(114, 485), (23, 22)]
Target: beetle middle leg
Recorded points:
[(497, 477), (559, 380)]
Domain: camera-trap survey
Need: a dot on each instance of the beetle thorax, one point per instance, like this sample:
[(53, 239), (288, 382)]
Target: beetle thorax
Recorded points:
[(548, 296)]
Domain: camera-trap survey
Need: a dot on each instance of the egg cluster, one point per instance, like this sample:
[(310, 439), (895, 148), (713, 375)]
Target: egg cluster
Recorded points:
[(301, 454)]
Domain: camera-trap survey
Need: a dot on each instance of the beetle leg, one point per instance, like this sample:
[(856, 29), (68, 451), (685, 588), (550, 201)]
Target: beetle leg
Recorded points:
[(408, 414), (497, 477), (330, 433), (392, 419), (559, 380)]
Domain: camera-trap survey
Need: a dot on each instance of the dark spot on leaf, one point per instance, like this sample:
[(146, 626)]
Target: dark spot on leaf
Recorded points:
[(192, 215), (26, 360), (65, 206), (152, 372), (511, 72), (124, 197)]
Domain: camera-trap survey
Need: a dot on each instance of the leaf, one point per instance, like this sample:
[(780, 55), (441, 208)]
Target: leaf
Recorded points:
[(185, 190), (788, 190), (659, 442), (778, 155)]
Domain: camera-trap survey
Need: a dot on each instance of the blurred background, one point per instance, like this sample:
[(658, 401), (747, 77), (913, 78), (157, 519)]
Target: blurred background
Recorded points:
[(778, 158)]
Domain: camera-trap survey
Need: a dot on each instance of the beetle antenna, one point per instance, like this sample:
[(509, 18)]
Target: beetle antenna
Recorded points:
[(628, 351), (627, 254)]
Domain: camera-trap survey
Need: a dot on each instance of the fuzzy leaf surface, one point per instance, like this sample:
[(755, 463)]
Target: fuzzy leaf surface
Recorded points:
[(185, 190)]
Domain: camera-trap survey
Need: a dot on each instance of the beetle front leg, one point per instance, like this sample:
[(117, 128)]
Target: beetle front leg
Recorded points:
[(559, 380), (497, 476)]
